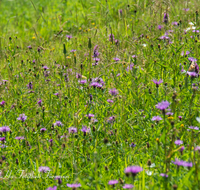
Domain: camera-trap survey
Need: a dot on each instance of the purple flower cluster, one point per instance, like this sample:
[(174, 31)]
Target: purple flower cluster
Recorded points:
[(97, 83), (22, 117), (128, 186), (157, 82), (113, 182), (2, 103), (130, 67), (113, 92), (85, 129), (52, 188), (165, 18), (76, 185), (134, 170), (156, 118), (44, 169), (182, 163), (95, 51), (163, 105), (178, 142), (164, 175), (72, 130), (58, 123), (4, 129)]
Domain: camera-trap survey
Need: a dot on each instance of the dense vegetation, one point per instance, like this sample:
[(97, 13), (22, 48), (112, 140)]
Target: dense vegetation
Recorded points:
[(99, 94)]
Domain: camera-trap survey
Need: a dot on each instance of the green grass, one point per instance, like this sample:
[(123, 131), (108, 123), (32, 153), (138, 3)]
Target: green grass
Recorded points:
[(104, 152)]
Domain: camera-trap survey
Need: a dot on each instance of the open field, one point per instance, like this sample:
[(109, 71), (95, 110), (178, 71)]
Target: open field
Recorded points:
[(99, 95)]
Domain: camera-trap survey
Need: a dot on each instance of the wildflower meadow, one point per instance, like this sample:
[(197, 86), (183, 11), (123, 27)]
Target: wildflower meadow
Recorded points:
[(99, 95)]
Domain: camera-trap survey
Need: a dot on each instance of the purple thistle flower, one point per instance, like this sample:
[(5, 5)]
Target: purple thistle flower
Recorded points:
[(19, 138), (2, 103), (133, 170), (29, 47), (111, 119), (44, 169), (165, 37), (43, 130), (195, 128), (89, 115), (160, 27), (118, 74), (116, 59), (174, 23), (85, 129), (68, 37), (34, 61), (39, 102), (22, 117), (182, 163), (96, 84), (52, 188), (93, 120), (59, 179), (164, 175), (110, 101), (95, 51), (51, 140), (192, 74), (169, 113), (30, 85), (116, 42), (165, 18), (72, 130), (186, 9), (182, 149), (2, 139), (195, 31), (157, 82), (170, 31), (58, 123), (188, 164), (78, 76), (156, 118), (192, 59), (113, 182), (130, 67), (120, 11), (113, 92), (197, 148), (74, 185), (186, 53), (163, 105), (178, 142), (82, 81), (111, 37), (45, 67), (96, 59), (73, 50), (128, 186), (56, 94), (132, 145)]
